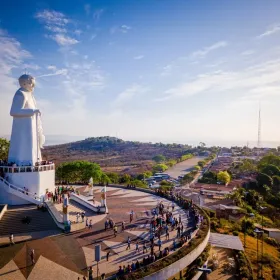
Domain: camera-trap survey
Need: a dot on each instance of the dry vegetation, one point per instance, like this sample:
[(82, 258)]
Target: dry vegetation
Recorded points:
[(271, 258), (113, 154)]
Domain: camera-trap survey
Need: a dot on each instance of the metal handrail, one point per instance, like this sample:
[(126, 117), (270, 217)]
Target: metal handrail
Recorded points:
[(33, 195)]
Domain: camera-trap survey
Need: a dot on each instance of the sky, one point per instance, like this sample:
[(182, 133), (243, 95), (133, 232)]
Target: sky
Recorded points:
[(149, 70)]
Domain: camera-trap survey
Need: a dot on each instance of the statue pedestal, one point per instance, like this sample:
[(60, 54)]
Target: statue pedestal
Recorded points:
[(37, 179), (90, 193)]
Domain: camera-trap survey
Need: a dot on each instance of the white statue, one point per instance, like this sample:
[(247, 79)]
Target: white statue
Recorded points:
[(27, 137)]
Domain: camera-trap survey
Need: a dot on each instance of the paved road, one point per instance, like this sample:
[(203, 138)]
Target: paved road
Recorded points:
[(183, 167)]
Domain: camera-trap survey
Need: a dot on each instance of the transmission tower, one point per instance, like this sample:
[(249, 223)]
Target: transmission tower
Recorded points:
[(259, 129)]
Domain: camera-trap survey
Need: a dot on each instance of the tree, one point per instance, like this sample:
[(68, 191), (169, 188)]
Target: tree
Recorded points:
[(223, 177), (187, 178), (264, 179), (125, 178), (209, 177), (247, 166), (78, 172), (270, 170), (269, 159), (159, 158), (237, 196), (197, 167), (201, 163), (104, 180), (4, 149), (171, 162), (159, 167), (202, 144), (114, 177)]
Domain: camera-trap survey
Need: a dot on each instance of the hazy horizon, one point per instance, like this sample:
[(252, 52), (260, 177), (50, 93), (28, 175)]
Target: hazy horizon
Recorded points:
[(62, 139)]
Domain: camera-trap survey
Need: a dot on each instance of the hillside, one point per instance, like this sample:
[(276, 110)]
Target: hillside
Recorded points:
[(113, 154)]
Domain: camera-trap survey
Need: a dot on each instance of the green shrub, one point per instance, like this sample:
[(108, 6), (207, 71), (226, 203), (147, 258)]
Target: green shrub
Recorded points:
[(271, 241), (235, 233)]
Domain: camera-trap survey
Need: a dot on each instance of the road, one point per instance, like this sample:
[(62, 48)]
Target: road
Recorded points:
[(183, 167)]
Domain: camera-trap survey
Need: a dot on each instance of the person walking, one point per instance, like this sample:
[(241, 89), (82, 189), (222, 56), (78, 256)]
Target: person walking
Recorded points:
[(173, 206), (137, 247), (115, 230), (106, 224), (87, 222), (107, 255), (128, 243), (145, 247), (12, 239), (159, 244), (90, 273), (90, 224), (32, 256), (77, 217), (83, 216), (123, 226)]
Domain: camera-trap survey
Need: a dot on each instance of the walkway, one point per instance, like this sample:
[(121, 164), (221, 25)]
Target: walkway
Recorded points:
[(77, 249)]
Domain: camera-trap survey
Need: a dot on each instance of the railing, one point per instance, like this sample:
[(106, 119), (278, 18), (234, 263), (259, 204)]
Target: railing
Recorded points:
[(22, 169), (87, 204), (20, 190)]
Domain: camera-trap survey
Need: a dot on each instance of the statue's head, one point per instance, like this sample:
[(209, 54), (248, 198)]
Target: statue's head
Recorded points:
[(27, 82)]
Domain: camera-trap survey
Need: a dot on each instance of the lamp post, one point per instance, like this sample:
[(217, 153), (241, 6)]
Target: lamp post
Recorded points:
[(251, 215), (257, 231), (262, 208)]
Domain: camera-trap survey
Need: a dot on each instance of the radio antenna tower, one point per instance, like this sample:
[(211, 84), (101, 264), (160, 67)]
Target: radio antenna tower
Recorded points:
[(259, 128)]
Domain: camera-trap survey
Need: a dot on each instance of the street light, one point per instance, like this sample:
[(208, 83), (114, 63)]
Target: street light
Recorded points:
[(262, 208), (257, 231), (250, 215)]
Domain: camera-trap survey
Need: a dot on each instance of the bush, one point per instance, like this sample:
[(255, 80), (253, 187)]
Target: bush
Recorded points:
[(244, 266), (235, 233), (271, 241)]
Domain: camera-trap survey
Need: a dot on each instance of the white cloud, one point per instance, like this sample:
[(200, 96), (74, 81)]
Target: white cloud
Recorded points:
[(138, 57), (245, 82), (64, 40), (128, 94), (122, 29), (87, 8), (97, 14), (51, 67), (93, 36), (55, 73), (166, 70), (203, 52), (30, 66), (12, 56), (52, 18), (270, 31), (248, 52), (56, 29), (78, 32)]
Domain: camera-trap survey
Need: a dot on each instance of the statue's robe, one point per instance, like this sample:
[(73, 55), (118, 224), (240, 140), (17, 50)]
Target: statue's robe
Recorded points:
[(27, 137)]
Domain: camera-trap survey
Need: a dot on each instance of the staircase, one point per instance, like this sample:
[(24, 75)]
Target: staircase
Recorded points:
[(11, 221)]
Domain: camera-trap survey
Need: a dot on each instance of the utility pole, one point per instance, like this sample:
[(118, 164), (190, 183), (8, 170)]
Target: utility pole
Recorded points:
[(259, 128)]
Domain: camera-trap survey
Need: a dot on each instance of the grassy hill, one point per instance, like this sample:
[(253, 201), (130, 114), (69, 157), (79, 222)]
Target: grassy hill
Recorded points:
[(114, 154)]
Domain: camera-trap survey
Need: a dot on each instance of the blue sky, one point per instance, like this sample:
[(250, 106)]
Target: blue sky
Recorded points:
[(170, 71)]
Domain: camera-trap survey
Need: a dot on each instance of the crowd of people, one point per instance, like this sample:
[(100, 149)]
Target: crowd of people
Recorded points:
[(57, 196)]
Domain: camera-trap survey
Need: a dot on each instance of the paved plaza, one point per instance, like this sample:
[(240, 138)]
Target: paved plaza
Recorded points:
[(67, 256)]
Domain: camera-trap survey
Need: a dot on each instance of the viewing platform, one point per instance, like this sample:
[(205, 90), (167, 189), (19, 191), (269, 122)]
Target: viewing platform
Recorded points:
[(24, 169)]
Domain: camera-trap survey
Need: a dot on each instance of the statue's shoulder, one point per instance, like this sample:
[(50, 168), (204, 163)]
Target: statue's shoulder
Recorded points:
[(20, 93)]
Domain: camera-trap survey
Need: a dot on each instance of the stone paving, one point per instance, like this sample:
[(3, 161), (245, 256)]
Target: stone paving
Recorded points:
[(75, 251)]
